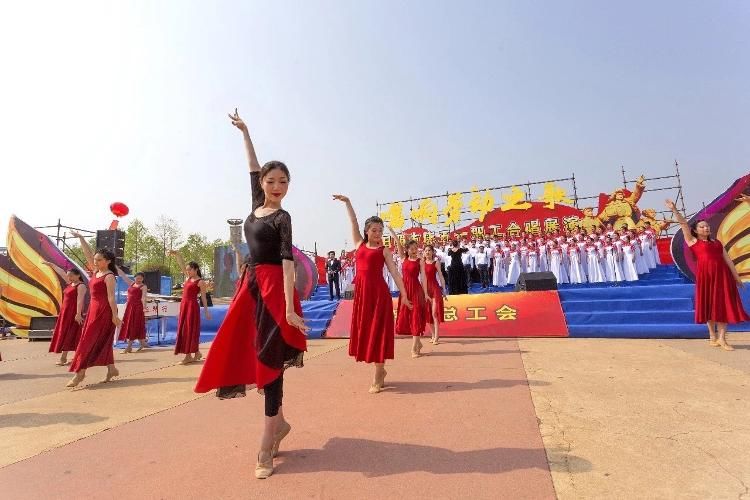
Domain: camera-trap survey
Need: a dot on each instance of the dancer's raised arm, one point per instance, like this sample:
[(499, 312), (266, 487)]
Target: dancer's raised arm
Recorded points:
[(180, 262), (356, 235), (682, 221), (124, 277), (252, 158), (399, 247), (59, 270), (87, 250)]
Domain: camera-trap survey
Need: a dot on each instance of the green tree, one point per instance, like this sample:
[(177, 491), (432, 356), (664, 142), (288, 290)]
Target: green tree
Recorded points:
[(136, 244), (168, 236)]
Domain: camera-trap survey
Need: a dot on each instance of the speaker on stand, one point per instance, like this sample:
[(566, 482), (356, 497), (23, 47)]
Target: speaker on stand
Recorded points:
[(114, 241)]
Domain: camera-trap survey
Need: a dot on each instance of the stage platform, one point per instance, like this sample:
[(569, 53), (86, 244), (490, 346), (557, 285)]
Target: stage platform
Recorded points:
[(658, 306)]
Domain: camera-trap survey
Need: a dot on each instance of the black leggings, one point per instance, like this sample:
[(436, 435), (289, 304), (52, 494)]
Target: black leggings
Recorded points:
[(274, 394)]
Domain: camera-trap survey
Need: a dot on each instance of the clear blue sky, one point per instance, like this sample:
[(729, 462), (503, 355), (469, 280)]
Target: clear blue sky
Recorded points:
[(380, 100)]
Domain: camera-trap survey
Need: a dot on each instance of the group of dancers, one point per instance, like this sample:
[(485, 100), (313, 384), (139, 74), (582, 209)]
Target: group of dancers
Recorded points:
[(264, 333), (91, 338)]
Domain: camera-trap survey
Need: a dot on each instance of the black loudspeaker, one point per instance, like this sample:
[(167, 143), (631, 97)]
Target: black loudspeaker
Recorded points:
[(152, 279), (114, 240), (528, 282)]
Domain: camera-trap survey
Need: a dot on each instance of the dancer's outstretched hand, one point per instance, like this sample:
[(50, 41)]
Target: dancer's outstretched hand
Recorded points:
[(341, 197), (294, 320), (670, 205), (237, 121)]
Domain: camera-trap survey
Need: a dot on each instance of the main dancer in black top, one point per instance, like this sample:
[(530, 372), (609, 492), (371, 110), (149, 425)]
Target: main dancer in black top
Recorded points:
[(263, 332)]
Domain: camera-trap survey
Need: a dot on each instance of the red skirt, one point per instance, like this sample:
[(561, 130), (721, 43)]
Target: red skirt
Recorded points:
[(412, 321), (67, 332), (371, 334), (188, 327), (436, 293), (95, 347), (134, 322), (716, 295), (254, 343)]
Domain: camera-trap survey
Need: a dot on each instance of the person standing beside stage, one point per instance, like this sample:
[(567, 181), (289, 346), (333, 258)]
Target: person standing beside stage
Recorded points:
[(457, 279), (97, 337), (189, 318), (134, 318), (70, 319), (263, 332), (333, 269), (371, 335), (717, 301), (436, 291)]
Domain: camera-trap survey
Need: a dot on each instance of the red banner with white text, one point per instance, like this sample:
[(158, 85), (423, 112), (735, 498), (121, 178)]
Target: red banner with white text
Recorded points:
[(511, 314)]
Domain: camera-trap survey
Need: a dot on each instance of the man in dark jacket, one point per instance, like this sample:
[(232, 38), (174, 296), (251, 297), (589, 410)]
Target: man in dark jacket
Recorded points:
[(333, 269)]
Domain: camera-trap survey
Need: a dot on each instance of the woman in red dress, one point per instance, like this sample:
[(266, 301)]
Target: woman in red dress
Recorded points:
[(435, 291), (412, 320), (717, 301), (70, 320), (263, 332), (95, 346), (134, 319), (189, 319), (371, 336)]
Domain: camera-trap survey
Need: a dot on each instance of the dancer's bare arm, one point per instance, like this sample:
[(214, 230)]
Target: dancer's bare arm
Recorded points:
[(252, 158), (356, 235), (59, 270), (87, 251), (110, 281), (682, 221)]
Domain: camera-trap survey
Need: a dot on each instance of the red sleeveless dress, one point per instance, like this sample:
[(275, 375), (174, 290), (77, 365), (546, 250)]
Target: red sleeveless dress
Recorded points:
[(716, 295), (134, 320), (371, 336), (67, 331), (95, 347), (411, 321), (435, 291), (189, 320)]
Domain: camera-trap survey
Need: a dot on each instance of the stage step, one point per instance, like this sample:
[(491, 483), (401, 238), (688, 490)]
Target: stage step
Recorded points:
[(631, 317), (318, 312), (616, 305), (629, 292), (640, 331)]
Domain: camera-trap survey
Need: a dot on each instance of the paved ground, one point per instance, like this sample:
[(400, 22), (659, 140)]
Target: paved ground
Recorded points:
[(533, 418)]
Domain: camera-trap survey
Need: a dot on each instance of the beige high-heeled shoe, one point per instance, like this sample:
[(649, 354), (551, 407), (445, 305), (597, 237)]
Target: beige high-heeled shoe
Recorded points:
[(111, 374), (77, 379), (264, 468), (281, 434)]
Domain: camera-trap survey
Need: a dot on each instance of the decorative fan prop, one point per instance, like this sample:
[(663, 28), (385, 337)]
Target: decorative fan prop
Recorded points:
[(31, 289), (306, 274), (730, 223)]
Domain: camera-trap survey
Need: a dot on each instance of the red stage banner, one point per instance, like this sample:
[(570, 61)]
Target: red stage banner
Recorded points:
[(510, 314)]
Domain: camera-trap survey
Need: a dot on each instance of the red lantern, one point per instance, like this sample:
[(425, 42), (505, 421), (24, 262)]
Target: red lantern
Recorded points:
[(119, 209)]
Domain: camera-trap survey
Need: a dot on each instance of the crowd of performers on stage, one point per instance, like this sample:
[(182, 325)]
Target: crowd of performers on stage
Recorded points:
[(576, 257), (264, 333)]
